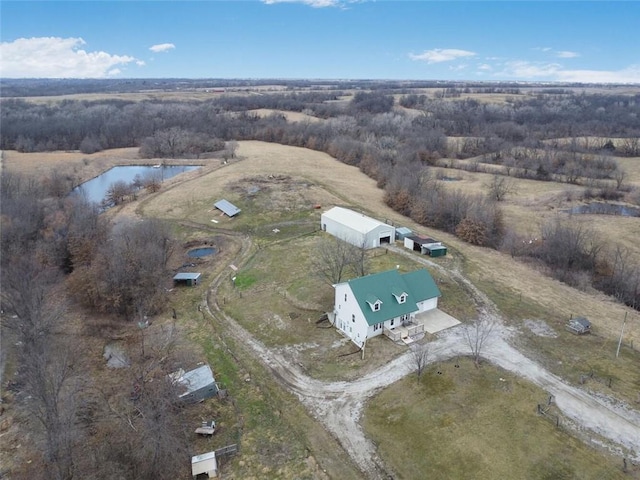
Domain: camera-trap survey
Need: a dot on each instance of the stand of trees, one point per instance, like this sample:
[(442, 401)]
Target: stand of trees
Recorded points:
[(123, 272), (524, 136)]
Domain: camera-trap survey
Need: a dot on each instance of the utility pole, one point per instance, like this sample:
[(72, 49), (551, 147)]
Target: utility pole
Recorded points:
[(621, 332)]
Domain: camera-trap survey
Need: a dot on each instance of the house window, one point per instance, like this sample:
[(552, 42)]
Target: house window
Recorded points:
[(403, 298), (392, 320), (376, 306), (353, 318), (345, 297)]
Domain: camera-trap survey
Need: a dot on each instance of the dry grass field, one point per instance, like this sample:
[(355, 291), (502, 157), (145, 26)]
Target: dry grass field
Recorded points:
[(477, 423), (278, 187)]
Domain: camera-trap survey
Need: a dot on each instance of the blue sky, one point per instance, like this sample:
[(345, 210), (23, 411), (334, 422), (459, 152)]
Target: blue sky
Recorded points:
[(576, 41)]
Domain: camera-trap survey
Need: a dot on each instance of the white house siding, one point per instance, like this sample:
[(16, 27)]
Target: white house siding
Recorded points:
[(427, 305), (346, 311)]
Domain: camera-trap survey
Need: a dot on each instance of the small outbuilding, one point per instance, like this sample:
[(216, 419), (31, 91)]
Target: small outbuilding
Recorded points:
[(356, 228), (204, 464), (579, 326), (425, 245), (402, 232), (226, 207), (195, 385), (187, 278)]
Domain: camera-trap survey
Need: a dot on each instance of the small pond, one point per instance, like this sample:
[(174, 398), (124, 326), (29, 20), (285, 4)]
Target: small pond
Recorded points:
[(202, 252), (599, 208), (96, 188)]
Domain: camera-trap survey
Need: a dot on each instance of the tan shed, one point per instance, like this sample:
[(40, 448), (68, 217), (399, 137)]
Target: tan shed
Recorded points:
[(204, 464)]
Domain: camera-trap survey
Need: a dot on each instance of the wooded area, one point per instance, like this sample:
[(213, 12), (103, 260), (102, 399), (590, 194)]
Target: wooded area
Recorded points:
[(393, 135)]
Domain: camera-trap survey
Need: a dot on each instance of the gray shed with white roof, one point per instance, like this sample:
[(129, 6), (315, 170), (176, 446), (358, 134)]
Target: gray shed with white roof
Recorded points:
[(227, 208), (356, 228), (195, 385)]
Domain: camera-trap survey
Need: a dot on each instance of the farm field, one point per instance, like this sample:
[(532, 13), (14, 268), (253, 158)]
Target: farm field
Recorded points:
[(277, 301)]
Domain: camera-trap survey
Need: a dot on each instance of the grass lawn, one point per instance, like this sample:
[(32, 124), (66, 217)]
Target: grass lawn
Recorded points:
[(476, 423), (278, 299)]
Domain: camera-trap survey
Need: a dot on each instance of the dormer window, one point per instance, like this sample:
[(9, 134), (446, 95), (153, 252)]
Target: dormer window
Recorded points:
[(374, 303), (400, 295)]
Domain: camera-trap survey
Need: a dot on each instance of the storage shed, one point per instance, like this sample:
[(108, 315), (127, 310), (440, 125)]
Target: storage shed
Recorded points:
[(425, 245), (402, 232), (195, 385), (356, 228), (436, 250), (579, 326), (204, 464), (187, 278), (226, 207)]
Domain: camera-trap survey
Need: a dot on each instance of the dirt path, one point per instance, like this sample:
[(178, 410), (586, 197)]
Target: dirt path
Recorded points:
[(338, 405)]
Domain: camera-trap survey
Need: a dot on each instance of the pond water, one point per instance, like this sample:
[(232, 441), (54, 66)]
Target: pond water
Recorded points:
[(96, 188), (599, 208), (202, 252)]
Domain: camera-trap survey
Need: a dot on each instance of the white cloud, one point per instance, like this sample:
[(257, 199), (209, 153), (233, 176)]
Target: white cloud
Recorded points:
[(555, 72), (567, 54), (162, 47), (630, 74), (54, 57), (485, 67), (530, 70), (311, 3), (441, 55)]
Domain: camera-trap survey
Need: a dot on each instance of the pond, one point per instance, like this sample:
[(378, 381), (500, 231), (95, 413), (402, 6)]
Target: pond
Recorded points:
[(599, 208), (96, 188), (202, 252)]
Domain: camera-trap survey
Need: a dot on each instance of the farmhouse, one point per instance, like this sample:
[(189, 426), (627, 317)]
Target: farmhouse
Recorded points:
[(195, 385), (425, 245), (356, 228), (381, 303)]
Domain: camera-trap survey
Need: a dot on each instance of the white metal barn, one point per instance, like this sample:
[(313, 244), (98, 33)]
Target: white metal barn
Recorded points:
[(356, 228)]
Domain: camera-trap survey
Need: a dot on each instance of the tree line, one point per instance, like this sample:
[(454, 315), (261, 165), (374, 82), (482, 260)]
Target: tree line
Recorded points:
[(370, 131), (58, 249)]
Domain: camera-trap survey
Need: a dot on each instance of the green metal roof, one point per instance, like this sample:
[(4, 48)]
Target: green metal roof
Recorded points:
[(418, 285), (421, 285)]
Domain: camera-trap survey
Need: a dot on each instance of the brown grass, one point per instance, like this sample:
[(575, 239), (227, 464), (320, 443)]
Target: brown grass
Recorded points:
[(476, 423), (331, 183)]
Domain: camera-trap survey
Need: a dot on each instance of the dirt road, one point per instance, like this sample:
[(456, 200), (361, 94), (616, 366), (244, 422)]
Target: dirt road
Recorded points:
[(338, 405)]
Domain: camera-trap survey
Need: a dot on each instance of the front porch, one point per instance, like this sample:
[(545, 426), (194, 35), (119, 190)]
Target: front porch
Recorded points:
[(432, 321), (404, 332)]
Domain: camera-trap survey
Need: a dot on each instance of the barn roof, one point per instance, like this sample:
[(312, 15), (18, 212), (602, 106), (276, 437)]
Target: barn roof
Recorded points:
[(356, 221), (227, 207)]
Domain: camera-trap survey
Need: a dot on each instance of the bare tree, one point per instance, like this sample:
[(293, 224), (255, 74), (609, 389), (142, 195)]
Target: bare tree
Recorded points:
[(477, 335), (359, 260), (420, 357), (232, 148), (619, 175), (45, 358), (332, 259), (499, 187)]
